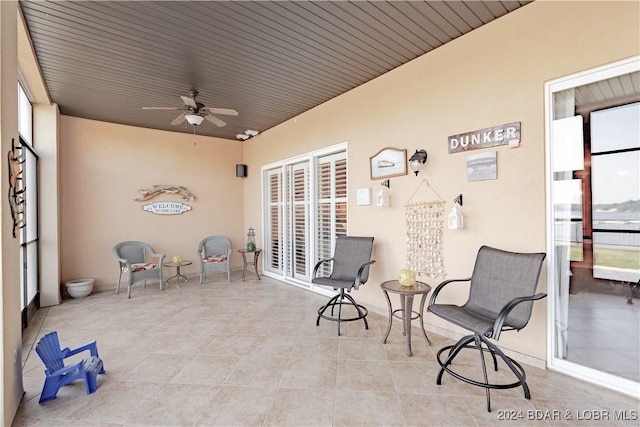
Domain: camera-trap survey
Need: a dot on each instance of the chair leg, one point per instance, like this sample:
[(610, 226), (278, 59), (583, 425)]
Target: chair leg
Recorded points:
[(340, 310), (91, 384), (331, 303), (514, 366), (339, 300), (360, 313), (484, 370), (483, 345), (453, 351), (118, 285), (50, 389)]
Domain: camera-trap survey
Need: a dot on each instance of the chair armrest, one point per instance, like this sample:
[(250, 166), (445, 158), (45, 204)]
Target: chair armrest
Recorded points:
[(358, 281), (65, 369), (315, 269), (123, 261), (438, 288), (502, 316), (92, 347)]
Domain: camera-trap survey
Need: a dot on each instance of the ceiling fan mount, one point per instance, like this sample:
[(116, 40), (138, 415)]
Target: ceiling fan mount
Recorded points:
[(196, 112)]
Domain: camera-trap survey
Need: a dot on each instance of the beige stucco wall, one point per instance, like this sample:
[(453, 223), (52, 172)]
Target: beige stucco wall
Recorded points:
[(102, 167), (492, 76), (10, 330)]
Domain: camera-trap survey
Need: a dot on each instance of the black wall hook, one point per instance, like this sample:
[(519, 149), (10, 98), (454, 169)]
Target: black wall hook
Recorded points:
[(458, 200)]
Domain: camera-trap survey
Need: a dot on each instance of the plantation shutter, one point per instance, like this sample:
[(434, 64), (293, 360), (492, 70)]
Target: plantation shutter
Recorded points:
[(331, 212), (273, 232), (305, 209), (298, 220)]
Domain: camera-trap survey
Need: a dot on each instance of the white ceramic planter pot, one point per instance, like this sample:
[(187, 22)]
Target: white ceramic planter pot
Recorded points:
[(79, 288)]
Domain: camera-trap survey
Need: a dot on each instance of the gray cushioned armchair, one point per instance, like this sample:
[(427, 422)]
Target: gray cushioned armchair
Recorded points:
[(140, 261), (214, 254)]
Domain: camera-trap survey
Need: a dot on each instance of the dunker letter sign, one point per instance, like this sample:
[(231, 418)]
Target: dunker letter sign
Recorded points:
[(483, 138)]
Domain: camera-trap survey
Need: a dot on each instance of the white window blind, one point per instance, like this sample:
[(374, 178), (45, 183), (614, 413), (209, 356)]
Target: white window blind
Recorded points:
[(298, 221), (273, 224), (305, 210), (331, 204)]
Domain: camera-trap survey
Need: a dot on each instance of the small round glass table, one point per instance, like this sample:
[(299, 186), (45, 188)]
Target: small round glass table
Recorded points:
[(246, 263), (177, 266), (406, 312)]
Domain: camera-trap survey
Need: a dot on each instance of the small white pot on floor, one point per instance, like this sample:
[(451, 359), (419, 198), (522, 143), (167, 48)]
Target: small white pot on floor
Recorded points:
[(79, 288)]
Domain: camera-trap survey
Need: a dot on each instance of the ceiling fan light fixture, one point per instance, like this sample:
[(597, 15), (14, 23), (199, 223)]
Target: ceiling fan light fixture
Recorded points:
[(194, 119)]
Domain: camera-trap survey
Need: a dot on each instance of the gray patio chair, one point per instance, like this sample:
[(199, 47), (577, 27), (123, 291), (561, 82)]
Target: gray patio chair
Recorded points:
[(135, 259), (501, 296), (214, 254), (350, 269)]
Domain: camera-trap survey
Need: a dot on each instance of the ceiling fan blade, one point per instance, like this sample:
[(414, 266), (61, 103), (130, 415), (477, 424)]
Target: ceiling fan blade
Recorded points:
[(178, 120), (216, 121), (162, 108), (225, 111), (188, 101)]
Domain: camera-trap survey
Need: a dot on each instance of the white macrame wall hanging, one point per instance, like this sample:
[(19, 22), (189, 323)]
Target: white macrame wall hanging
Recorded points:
[(425, 225)]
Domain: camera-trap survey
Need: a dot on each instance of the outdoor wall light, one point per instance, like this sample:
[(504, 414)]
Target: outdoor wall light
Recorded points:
[(384, 195), (194, 119), (456, 219), (418, 159)]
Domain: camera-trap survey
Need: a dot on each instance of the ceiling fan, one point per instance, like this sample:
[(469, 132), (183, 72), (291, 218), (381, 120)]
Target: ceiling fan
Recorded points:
[(195, 112)]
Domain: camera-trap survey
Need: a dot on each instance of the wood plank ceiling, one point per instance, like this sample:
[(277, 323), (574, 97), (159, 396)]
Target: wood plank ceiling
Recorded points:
[(268, 60)]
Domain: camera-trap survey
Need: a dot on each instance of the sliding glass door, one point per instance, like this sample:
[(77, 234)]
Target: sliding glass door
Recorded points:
[(593, 170)]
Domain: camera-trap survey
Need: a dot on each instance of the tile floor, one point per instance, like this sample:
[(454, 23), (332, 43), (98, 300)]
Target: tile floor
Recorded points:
[(249, 354)]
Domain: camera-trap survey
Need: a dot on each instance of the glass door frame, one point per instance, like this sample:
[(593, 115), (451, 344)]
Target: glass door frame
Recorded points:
[(553, 362), (30, 239)]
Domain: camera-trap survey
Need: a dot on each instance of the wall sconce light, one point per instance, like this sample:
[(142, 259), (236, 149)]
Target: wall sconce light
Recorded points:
[(456, 219), (418, 159), (384, 196)]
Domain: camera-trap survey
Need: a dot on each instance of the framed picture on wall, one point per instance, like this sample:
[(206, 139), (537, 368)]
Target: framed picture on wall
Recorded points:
[(388, 162)]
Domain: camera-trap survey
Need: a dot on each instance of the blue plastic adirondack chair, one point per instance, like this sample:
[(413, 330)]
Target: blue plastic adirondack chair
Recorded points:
[(59, 375)]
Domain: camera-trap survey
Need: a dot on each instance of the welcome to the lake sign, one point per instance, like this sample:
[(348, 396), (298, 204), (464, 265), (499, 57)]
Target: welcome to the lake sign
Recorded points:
[(167, 208), (508, 134)]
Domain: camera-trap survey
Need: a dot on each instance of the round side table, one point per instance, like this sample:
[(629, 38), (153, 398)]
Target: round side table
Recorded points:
[(177, 276), (406, 312), (246, 263)]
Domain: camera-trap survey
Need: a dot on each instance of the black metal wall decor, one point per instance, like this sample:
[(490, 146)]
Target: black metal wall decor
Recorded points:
[(17, 188)]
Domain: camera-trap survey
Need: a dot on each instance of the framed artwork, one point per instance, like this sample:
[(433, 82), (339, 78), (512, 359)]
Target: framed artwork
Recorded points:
[(389, 162), (481, 167)]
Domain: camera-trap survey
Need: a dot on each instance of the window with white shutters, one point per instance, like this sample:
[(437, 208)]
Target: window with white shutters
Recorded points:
[(331, 206), (305, 210), (273, 223), (298, 210)]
